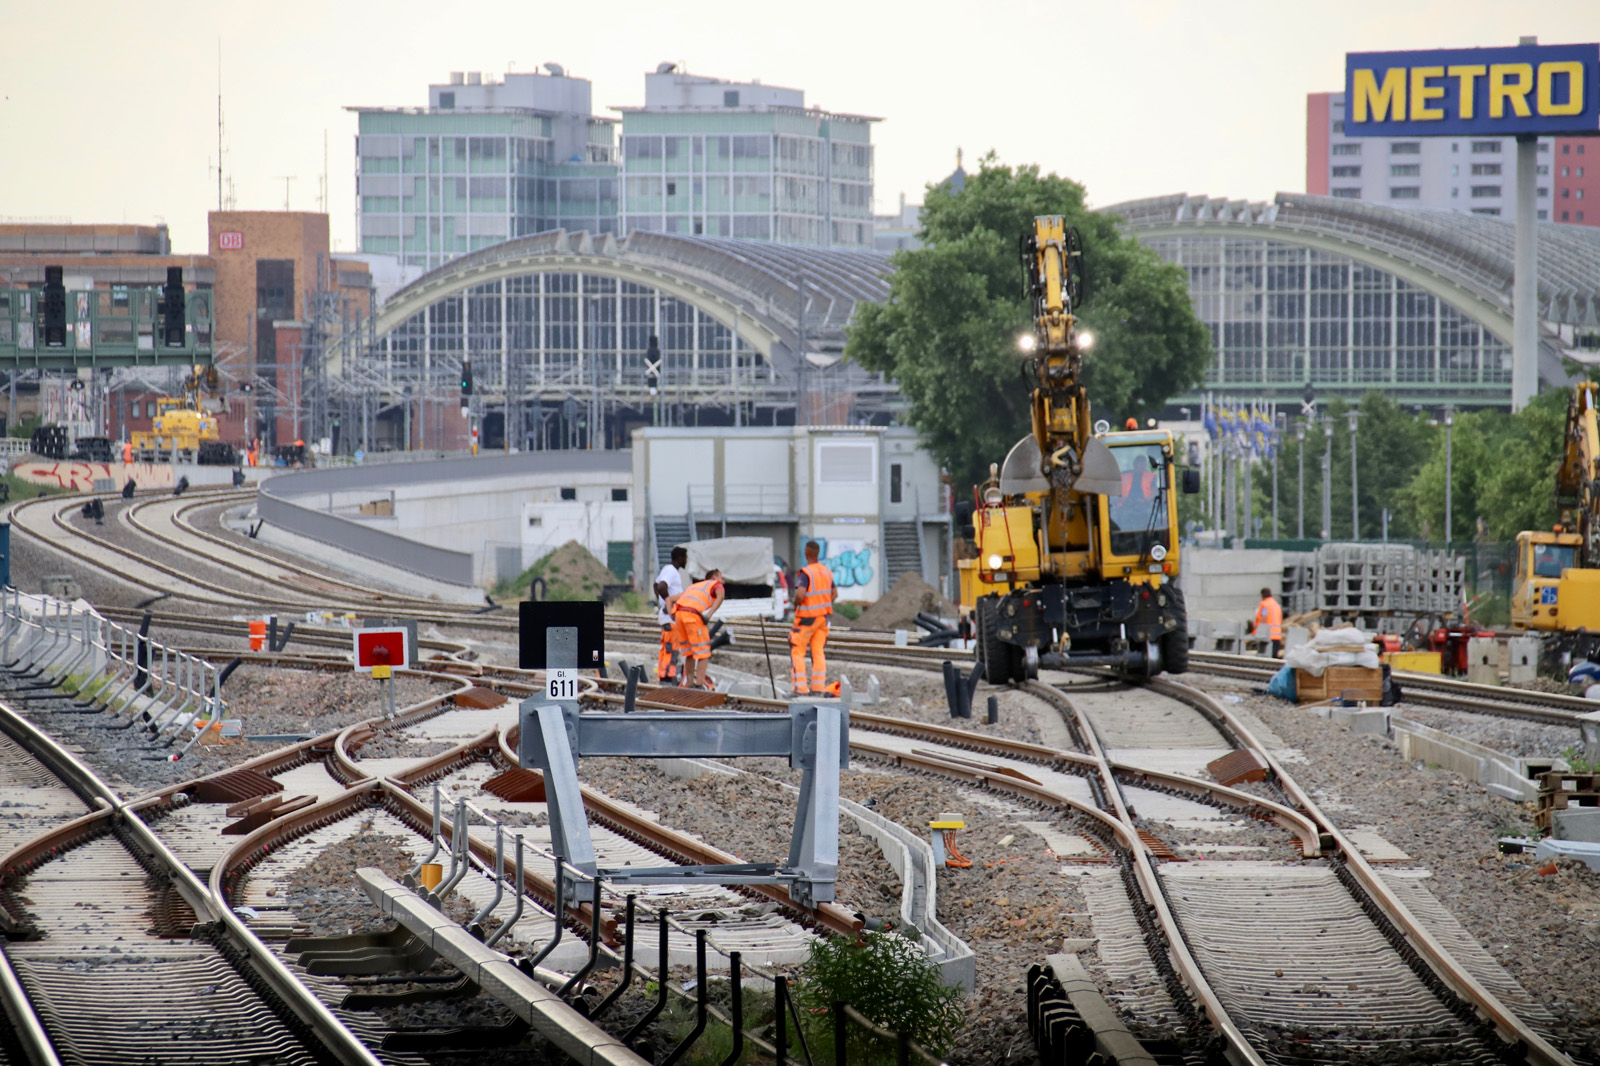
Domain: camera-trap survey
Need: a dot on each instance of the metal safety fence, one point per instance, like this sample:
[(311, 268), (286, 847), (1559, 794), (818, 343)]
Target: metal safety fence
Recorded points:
[(70, 656)]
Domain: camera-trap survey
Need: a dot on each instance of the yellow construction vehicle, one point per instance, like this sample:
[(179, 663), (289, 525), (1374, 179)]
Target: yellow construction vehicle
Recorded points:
[(1558, 573), (1077, 531), (183, 425)]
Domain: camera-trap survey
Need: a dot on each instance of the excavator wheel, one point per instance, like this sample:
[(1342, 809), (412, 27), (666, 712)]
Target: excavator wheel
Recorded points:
[(1175, 644), (1002, 662)]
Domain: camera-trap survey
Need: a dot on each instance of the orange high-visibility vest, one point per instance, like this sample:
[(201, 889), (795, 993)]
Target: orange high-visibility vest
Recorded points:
[(1270, 614), (817, 600), (696, 598)]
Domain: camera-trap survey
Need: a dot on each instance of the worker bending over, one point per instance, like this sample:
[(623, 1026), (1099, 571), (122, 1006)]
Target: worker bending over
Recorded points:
[(691, 610), (669, 583), (813, 598), (1269, 622)]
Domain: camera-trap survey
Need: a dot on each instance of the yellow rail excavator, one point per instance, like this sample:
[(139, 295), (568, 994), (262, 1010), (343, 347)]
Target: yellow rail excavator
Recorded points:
[(1558, 573), (1077, 531), (186, 425)]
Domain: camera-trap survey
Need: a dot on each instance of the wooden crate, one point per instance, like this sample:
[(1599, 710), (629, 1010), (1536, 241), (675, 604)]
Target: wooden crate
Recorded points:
[(1352, 683)]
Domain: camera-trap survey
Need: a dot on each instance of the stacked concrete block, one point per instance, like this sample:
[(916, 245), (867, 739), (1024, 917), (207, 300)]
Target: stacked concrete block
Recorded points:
[(1377, 579), (1483, 661)]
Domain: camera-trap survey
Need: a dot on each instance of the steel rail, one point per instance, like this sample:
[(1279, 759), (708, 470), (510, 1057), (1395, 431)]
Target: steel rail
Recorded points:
[(311, 1011), (1539, 1051)]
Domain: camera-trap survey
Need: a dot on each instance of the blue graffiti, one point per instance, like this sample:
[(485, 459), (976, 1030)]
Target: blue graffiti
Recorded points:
[(852, 568)]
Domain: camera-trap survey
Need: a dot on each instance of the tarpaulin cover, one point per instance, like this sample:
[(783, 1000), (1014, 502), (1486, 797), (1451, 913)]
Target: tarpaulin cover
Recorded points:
[(742, 560)]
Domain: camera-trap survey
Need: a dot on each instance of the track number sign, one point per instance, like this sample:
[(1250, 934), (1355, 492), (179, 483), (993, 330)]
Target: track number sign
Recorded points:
[(563, 684)]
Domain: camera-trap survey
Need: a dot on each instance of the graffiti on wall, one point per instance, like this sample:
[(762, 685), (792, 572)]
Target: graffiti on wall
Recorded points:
[(850, 561), (81, 476)]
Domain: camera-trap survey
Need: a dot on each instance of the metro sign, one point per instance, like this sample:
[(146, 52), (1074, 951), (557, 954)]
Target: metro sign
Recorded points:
[(230, 240), (1525, 90), (380, 651)]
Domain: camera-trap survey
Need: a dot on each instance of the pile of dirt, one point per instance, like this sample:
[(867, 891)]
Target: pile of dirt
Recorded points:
[(897, 609), (571, 572)]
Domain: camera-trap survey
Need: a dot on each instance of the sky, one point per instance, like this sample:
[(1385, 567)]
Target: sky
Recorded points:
[(112, 115)]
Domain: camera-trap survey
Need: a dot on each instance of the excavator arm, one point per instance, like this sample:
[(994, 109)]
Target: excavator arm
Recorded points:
[(1578, 476)]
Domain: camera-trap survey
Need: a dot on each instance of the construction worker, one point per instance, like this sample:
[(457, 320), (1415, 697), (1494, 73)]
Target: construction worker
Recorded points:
[(691, 610), (1269, 622), (669, 583), (127, 451), (813, 598)]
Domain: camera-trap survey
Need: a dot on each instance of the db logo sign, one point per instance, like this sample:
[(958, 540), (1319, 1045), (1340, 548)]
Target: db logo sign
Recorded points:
[(230, 240)]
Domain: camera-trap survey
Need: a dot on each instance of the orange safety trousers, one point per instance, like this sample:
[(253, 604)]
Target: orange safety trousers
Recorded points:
[(813, 638), (671, 652), (692, 637)]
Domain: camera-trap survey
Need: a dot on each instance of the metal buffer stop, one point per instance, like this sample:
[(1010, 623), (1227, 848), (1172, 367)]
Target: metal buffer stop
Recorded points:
[(555, 734)]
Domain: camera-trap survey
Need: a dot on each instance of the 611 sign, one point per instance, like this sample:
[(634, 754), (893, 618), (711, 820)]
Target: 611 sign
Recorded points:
[(563, 684)]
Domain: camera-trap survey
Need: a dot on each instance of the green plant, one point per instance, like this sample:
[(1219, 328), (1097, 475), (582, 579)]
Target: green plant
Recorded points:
[(1579, 764), (849, 610), (889, 980)]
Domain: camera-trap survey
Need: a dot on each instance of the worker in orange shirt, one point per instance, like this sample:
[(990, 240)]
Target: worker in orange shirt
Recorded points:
[(127, 451), (691, 609), (1269, 622), (813, 597)]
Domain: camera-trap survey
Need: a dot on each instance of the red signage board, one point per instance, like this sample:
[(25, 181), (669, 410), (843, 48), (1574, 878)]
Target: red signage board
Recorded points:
[(230, 240), (380, 647)]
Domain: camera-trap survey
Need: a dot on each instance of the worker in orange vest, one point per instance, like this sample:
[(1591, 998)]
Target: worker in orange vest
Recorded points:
[(127, 451), (691, 609), (669, 583), (1269, 622), (813, 597)]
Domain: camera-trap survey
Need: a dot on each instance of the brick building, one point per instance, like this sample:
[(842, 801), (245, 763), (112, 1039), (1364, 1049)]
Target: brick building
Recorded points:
[(275, 276)]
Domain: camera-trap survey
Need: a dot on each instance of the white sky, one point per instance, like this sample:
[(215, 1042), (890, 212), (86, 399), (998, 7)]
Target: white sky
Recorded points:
[(108, 114)]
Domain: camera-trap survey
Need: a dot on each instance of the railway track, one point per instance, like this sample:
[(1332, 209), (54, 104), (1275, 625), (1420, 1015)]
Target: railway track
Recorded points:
[(1208, 977)]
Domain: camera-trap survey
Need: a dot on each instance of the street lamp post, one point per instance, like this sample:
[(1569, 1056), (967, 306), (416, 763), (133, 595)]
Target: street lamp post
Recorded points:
[(1327, 479), (1300, 484), (1449, 421), (1279, 421), (1355, 498)]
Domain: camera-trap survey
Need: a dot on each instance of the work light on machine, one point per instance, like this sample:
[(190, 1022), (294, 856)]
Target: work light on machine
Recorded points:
[(1085, 340), (995, 561), (1027, 342)]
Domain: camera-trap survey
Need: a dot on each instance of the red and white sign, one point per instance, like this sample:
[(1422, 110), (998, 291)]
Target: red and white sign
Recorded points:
[(380, 647), (230, 240)]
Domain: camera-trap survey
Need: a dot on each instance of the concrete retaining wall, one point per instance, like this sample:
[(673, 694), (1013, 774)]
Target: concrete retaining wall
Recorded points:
[(1226, 583), (446, 510)]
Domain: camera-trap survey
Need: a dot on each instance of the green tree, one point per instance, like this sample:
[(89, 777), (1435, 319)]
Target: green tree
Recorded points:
[(1502, 471), (947, 333)]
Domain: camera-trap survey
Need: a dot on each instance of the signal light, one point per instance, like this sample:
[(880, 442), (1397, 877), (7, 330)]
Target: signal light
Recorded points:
[(466, 377), (55, 309), (172, 327)]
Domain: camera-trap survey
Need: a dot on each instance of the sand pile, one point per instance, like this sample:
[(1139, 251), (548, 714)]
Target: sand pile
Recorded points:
[(571, 572), (897, 609)]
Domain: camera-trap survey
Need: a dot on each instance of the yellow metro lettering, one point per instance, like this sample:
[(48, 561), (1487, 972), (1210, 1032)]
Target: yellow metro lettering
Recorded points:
[(1466, 76), (1386, 102), (1547, 77), (1510, 82), (1422, 92)]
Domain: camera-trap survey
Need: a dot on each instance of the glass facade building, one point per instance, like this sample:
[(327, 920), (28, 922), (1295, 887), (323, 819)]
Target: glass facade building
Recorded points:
[(714, 158), (483, 163), (1281, 315)]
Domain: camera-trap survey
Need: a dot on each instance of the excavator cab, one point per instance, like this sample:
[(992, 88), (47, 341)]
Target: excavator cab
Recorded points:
[(1552, 593)]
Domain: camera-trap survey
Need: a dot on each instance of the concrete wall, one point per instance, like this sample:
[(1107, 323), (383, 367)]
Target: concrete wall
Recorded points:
[(1226, 583), (447, 517)]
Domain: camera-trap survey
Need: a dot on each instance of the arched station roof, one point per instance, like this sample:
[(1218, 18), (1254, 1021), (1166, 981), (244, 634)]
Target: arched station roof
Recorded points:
[(1463, 259), (754, 288)]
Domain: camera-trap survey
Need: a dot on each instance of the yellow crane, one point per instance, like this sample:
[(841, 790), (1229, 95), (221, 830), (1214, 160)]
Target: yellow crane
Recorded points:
[(1557, 591), (1077, 531)]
